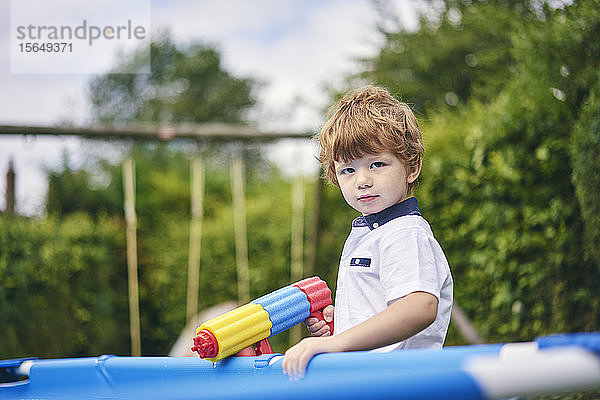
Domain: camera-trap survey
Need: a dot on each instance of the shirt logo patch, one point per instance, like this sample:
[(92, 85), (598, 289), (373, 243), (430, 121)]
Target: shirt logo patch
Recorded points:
[(360, 262)]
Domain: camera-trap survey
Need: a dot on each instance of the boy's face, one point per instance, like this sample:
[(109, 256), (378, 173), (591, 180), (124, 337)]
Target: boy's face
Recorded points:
[(374, 182)]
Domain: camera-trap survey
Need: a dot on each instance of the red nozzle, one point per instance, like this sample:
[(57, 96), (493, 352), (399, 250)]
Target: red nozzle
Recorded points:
[(206, 344)]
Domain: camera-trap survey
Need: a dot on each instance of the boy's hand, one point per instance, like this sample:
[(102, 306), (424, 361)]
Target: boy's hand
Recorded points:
[(297, 357), (400, 320), (319, 327)]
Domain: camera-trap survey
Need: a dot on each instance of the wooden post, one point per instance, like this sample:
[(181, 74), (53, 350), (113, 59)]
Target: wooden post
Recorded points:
[(464, 325), (131, 222), (197, 201), (239, 222), (10, 189), (313, 233), (297, 241)]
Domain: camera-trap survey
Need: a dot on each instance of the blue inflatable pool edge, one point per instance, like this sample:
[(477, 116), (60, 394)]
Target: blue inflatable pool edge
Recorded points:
[(464, 372)]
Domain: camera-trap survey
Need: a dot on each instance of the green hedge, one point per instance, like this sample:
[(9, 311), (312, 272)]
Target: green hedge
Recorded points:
[(63, 287)]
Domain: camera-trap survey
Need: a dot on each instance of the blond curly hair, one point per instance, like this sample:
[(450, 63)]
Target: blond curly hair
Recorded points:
[(370, 121)]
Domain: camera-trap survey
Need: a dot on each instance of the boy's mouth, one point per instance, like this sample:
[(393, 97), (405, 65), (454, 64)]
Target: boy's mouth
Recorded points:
[(367, 197)]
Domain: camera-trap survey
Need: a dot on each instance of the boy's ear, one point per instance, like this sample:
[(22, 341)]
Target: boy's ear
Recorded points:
[(414, 174)]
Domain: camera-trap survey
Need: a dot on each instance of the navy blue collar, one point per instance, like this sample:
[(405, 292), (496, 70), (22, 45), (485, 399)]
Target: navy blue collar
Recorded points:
[(405, 207)]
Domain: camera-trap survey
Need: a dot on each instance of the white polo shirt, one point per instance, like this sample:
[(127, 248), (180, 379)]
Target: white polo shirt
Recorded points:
[(389, 255)]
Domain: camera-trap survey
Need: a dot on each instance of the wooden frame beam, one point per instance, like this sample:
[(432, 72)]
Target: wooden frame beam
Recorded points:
[(152, 131)]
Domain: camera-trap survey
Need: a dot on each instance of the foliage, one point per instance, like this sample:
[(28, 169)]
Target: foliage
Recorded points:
[(462, 51), (62, 282), (586, 169), (71, 190), (334, 226), (184, 85), (162, 208), (497, 186)]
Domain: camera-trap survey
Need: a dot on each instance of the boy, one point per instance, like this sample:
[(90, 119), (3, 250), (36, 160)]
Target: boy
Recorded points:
[(394, 287)]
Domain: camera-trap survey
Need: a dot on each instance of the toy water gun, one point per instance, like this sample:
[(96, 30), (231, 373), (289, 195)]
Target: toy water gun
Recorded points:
[(262, 318)]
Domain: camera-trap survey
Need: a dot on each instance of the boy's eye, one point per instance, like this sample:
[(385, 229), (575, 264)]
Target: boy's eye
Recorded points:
[(346, 171), (377, 164)]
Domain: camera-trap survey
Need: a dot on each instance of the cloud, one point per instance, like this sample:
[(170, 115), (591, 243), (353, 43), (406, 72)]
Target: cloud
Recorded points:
[(295, 47)]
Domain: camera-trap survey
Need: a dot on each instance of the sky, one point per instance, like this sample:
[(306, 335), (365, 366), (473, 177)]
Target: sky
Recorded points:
[(295, 48)]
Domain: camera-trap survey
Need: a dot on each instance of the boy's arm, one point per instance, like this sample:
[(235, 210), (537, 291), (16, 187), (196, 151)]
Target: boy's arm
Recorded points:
[(402, 319)]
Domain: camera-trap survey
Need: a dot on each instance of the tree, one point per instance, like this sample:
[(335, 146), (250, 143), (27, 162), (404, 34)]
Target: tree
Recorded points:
[(585, 153), (62, 282), (498, 184), (184, 85), (460, 50)]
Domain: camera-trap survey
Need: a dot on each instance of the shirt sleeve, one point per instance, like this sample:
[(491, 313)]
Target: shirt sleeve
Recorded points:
[(408, 264)]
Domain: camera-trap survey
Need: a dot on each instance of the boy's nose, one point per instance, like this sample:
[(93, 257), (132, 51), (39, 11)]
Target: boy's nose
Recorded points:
[(363, 180)]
